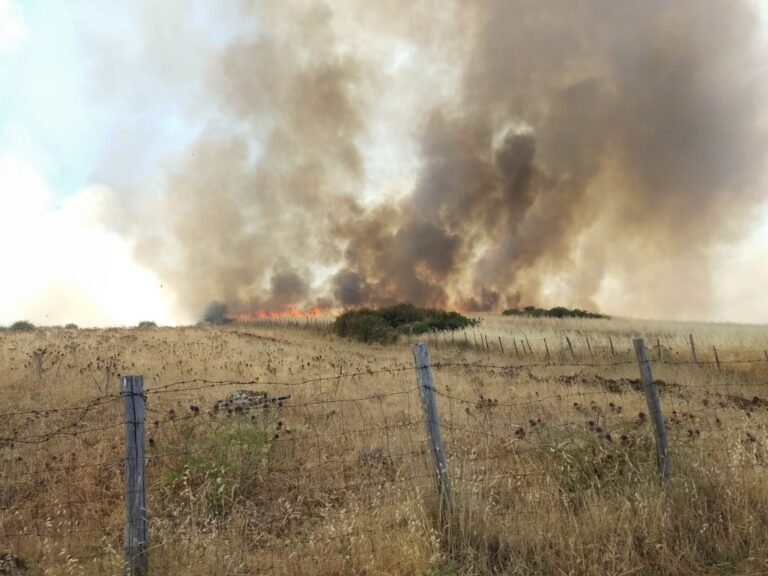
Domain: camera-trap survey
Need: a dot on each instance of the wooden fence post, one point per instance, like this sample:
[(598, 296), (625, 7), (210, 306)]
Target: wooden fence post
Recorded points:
[(432, 424), (501, 345), (654, 407), (589, 346), (529, 344), (693, 348), (570, 347), (136, 529), (658, 349), (613, 352), (717, 358), (517, 354), (546, 347), (765, 353)]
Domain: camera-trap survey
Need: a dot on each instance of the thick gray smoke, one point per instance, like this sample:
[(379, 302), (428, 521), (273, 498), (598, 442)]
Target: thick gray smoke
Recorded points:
[(579, 147)]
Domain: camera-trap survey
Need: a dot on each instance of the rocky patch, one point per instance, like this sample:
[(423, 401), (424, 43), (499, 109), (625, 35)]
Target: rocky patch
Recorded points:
[(245, 400)]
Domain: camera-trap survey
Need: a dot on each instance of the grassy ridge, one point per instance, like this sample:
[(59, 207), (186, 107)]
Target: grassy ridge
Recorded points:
[(553, 468)]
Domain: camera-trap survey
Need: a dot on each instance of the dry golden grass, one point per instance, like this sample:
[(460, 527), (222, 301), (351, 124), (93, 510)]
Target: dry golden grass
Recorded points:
[(553, 468)]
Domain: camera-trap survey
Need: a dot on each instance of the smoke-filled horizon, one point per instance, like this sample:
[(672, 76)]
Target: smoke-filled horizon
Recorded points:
[(609, 141), (460, 154)]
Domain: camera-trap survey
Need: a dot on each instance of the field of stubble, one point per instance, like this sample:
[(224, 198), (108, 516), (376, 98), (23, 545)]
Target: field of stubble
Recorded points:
[(550, 452)]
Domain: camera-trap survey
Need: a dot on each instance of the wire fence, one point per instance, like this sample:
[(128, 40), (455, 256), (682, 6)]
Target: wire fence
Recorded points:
[(583, 347), (333, 462)]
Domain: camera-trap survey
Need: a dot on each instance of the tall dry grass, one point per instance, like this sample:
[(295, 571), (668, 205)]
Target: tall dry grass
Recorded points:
[(553, 467)]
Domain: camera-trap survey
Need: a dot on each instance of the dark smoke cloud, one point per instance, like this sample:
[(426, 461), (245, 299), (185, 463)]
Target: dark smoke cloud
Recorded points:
[(586, 144), (252, 203)]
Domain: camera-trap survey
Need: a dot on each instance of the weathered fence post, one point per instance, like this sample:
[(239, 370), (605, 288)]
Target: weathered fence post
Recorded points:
[(136, 529), (717, 358), (570, 347), (654, 407), (501, 345), (693, 349), (765, 353), (546, 348), (589, 346), (432, 424), (517, 354), (613, 352), (658, 349)]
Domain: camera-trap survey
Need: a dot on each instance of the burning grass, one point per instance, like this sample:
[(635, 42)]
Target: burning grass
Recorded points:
[(553, 468)]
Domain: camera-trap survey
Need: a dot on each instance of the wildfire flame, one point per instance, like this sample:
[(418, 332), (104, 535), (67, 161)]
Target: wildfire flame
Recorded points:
[(290, 311)]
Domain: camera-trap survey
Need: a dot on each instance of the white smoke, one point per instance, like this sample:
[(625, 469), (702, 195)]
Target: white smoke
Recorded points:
[(62, 263)]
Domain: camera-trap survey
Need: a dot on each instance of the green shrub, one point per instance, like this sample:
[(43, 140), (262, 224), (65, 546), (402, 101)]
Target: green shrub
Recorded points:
[(71, 326), (220, 460), (443, 567), (216, 313), (365, 325), (402, 314), (223, 472), (415, 328), (556, 312), (385, 324), (22, 326), (147, 324)]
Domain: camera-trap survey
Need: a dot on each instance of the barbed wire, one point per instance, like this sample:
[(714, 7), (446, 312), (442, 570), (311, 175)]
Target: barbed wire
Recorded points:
[(110, 399), (63, 431), (65, 504), (712, 362), (369, 372), (474, 401), (68, 468), (468, 469), (253, 382)]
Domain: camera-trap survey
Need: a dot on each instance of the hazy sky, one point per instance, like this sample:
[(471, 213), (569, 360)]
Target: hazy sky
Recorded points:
[(72, 132), (98, 98)]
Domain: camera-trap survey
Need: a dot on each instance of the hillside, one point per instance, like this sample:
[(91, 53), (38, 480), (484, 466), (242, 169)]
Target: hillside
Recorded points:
[(550, 453)]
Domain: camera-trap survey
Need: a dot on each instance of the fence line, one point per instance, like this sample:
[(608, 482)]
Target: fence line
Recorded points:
[(507, 442)]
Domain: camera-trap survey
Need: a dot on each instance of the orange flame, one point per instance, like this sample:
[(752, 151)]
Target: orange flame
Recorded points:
[(289, 311)]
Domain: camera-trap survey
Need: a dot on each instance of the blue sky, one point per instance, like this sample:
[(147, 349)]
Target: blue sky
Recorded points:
[(67, 108), (43, 119)]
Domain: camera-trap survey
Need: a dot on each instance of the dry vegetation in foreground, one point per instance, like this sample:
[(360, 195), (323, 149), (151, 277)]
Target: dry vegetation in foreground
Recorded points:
[(553, 467)]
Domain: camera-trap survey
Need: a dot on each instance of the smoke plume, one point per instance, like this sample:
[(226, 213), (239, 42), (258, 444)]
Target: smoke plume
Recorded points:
[(588, 153)]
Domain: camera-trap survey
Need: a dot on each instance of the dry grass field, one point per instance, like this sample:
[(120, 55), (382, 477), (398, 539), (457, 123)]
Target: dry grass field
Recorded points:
[(552, 459)]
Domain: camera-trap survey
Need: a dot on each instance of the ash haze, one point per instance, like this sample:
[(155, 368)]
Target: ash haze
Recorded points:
[(473, 155)]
